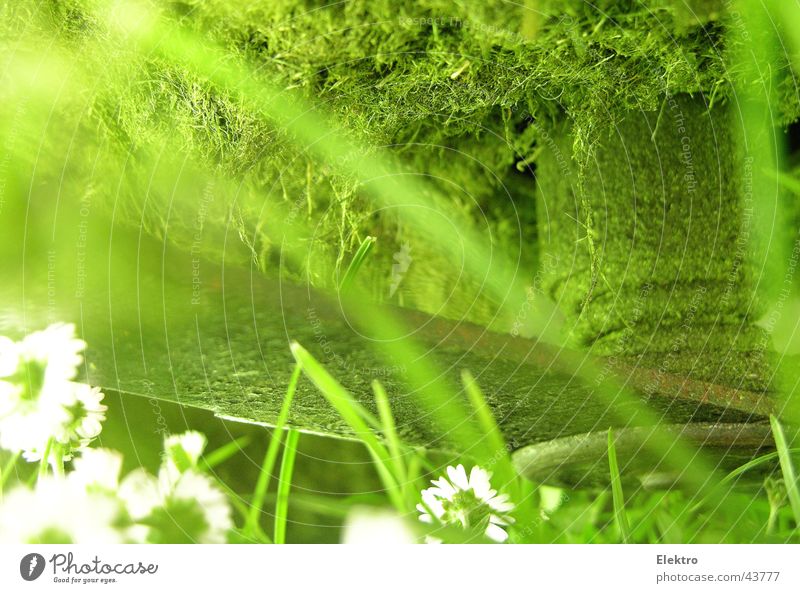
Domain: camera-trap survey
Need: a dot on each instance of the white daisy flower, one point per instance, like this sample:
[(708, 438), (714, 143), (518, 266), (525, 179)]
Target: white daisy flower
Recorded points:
[(140, 492), (181, 505), (40, 405), (367, 525), (190, 509), (198, 494), (56, 349), (97, 470), (59, 511), (70, 414), (175, 507), (88, 414), (182, 452), (468, 501)]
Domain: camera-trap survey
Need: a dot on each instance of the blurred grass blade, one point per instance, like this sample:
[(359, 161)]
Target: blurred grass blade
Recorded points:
[(224, 453), (500, 461), (8, 469), (620, 515), (787, 467), (752, 464), (390, 432), (284, 485), (789, 182), (742, 469), (355, 264), (350, 411), (260, 491)]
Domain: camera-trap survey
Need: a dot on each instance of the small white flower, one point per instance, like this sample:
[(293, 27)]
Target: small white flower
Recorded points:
[(140, 492), (88, 414), (56, 349), (70, 413), (182, 452), (60, 511), (181, 505), (97, 469), (175, 507), (468, 501), (367, 525), (199, 493), (190, 445), (40, 404), (30, 427), (190, 509)]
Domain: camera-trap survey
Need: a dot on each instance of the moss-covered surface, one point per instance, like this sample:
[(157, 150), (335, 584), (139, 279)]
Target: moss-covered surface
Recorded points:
[(459, 92), (671, 269)]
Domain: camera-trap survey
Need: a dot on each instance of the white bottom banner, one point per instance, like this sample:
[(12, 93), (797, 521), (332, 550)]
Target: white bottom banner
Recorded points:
[(393, 568)]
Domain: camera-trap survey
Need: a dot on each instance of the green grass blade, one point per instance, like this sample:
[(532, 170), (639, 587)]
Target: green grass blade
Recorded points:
[(223, 453), (500, 461), (355, 264), (260, 490), (7, 471), (735, 473), (620, 515), (789, 182), (787, 468), (284, 485), (349, 410), (390, 432)]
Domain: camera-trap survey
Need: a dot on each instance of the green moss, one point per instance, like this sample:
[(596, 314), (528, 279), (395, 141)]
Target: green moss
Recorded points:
[(456, 91), (675, 276)]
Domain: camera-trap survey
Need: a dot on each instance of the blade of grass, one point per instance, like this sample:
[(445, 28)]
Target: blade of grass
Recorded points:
[(356, 262), (223, 453), (7, 471), (43, 464), (620, 515), (787, 468), (260, 490), (390, 432), (500, 461), (348, 409), (752, 464), (789, 182), (284, 485), (413, 471)]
